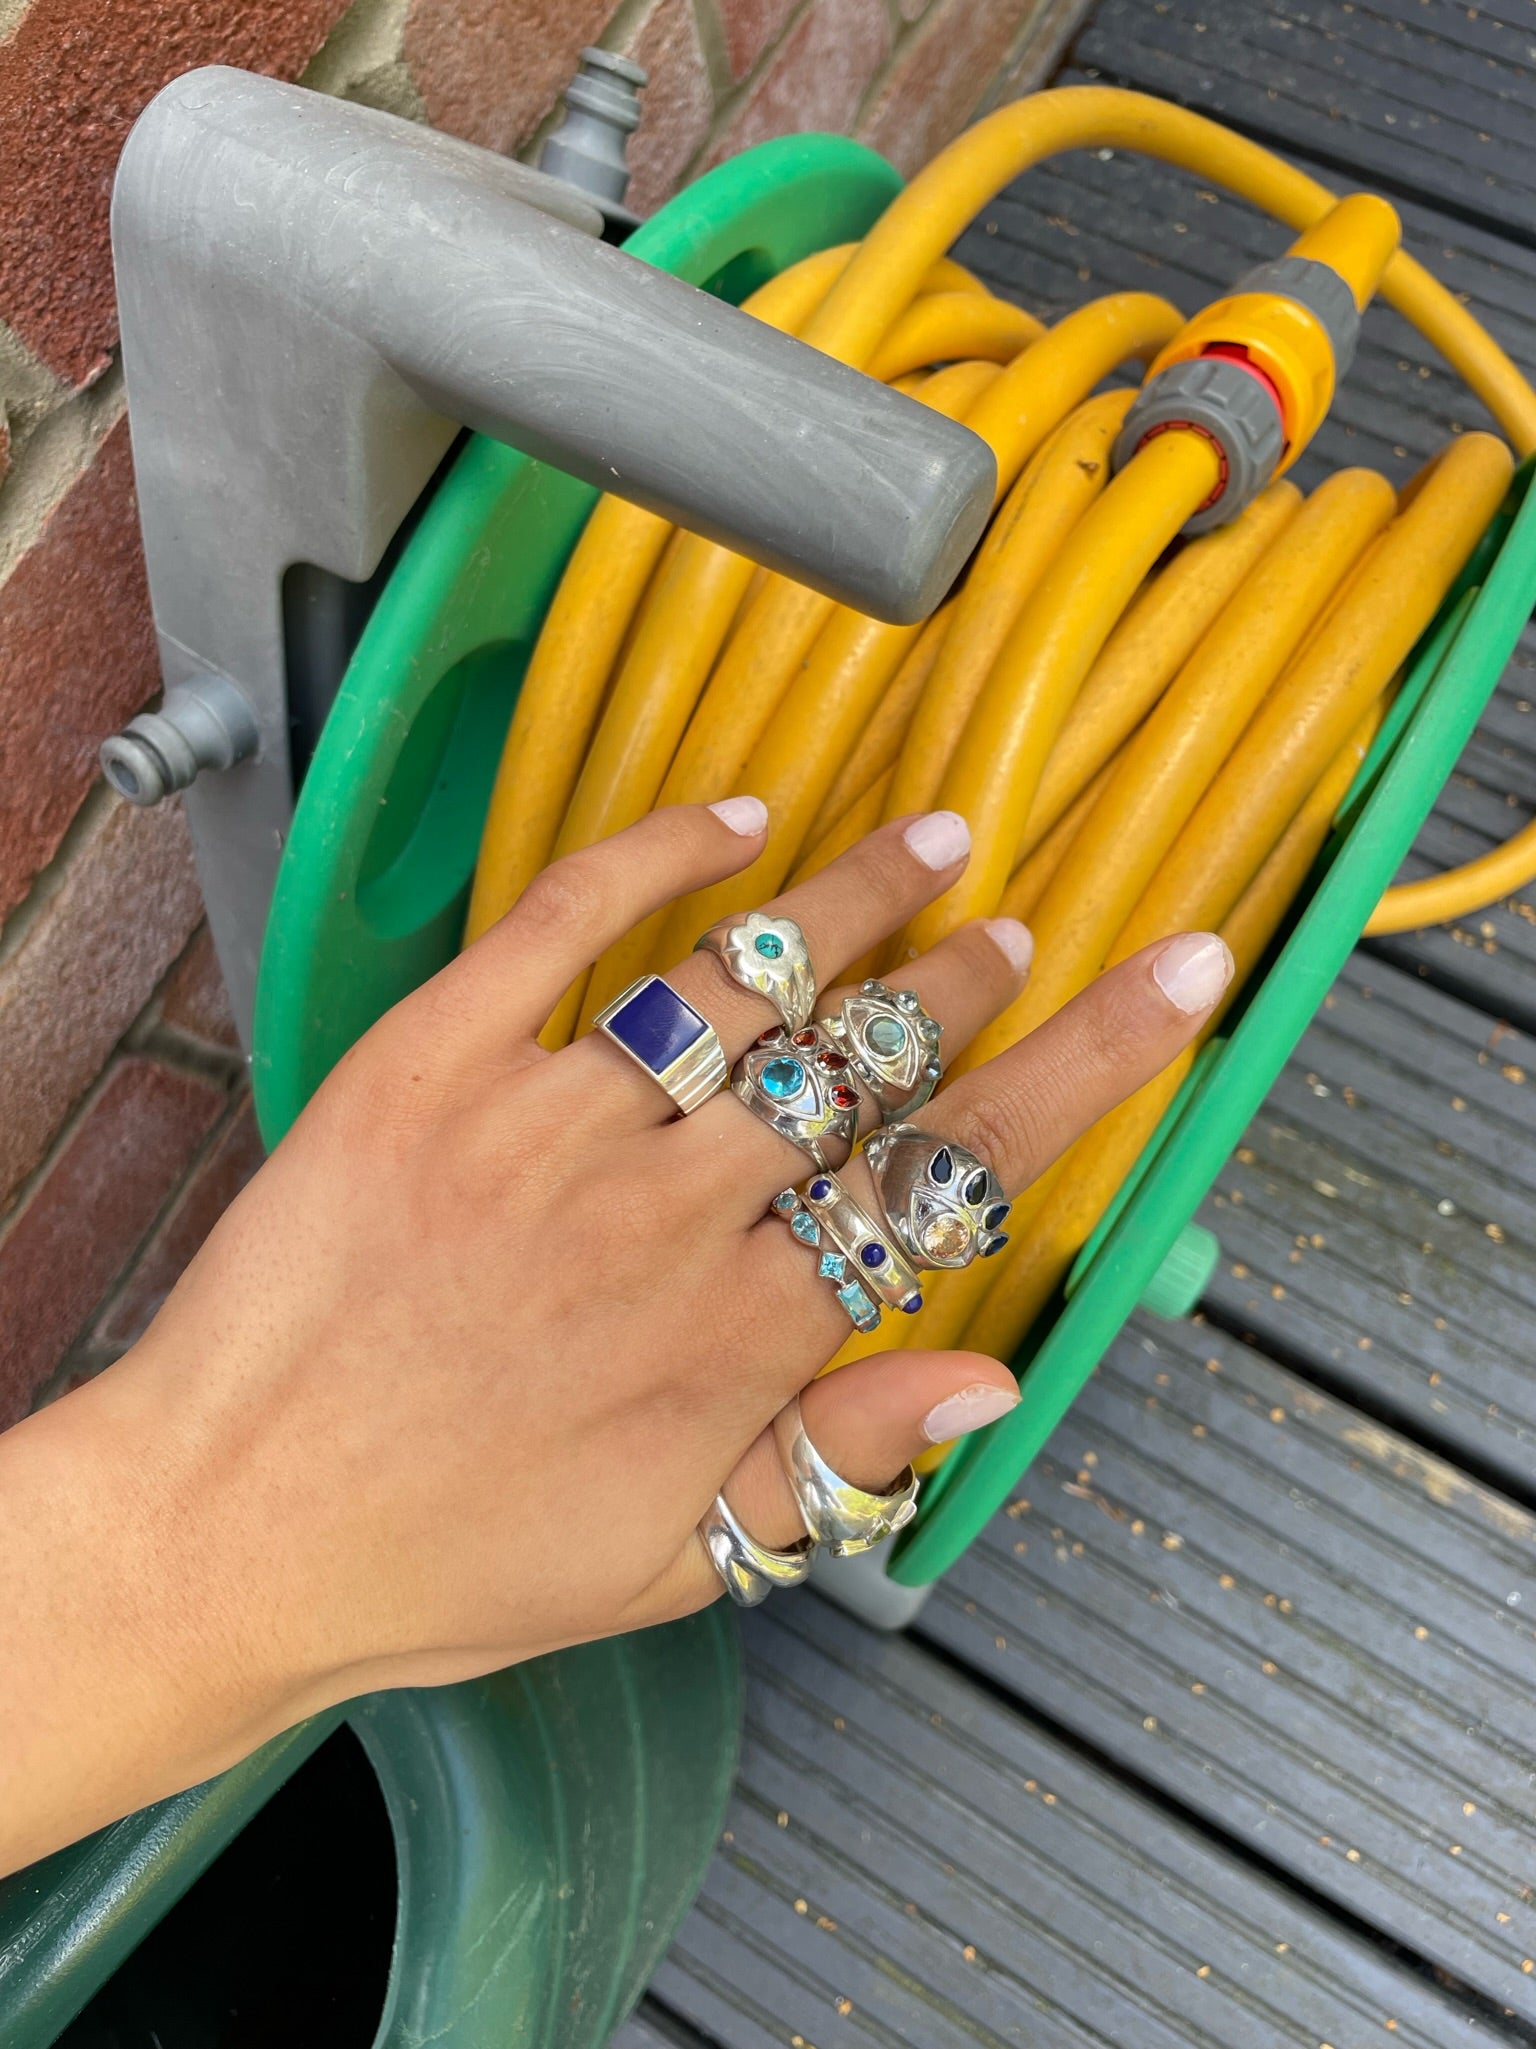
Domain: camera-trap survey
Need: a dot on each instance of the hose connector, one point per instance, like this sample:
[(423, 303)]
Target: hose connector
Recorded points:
[(588, 149), (206, 724), (1256, 371)]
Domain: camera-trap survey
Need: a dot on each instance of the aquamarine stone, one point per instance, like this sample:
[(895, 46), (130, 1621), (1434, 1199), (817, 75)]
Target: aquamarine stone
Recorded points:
[(856, 1302), (769, 945), (832, 1266), (887, 1035), (805, 1228), (783, 1078)]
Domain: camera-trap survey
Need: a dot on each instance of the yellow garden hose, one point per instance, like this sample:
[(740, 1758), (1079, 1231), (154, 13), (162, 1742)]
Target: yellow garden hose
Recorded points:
[(1147, 725)]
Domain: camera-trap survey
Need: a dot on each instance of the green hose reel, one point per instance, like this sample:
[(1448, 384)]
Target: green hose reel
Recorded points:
[(553, 1822)]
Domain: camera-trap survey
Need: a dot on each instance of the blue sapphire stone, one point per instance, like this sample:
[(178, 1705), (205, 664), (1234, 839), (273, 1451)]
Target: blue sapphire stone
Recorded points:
[(976, 1188), (996, 1246), (996, 1216), (656, 1025), (783, 1078), (820, 1189), (941, 1167), (872, 1254)]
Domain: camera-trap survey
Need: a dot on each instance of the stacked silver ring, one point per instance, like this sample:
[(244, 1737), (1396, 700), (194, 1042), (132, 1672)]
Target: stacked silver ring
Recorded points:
[(865, 1268), (838, 1517)]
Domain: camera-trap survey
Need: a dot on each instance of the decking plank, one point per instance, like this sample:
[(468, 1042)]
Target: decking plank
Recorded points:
[(1293, 1621), (910, 1863)]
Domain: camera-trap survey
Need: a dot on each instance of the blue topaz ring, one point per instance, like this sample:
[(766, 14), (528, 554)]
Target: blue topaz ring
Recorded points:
[(843, 1519), (667, 1037), (943, 1204), (863, 1263), (799, 1083), (749, 1570), (770, 957), (892, 1045)]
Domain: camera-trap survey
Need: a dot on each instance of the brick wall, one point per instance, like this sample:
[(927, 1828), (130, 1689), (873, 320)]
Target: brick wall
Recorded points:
[(124, 1123)]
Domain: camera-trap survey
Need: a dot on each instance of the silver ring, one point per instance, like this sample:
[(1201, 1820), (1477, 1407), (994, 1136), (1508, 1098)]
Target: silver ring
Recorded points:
[(800, 1084), (944, 1204), (859, 1258), (770, 957), (843, 1519), (668, 1038), (893, 1046), (750, 1570)]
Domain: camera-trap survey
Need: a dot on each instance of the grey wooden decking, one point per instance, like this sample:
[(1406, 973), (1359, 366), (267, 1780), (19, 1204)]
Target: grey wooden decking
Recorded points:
[(1225, 1733)]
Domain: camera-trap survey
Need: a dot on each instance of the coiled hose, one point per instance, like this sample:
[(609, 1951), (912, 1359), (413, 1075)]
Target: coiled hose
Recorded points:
[(1143, 736)]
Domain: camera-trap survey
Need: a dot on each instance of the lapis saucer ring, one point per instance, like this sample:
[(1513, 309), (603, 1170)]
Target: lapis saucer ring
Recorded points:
[(679, 1049), (770, 957), (801, 1085)]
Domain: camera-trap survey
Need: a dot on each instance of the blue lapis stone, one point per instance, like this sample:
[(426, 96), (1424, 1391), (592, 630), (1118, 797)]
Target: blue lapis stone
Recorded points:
[(783, 1078), (911, 1306), (820, 1189), (832, 1266), (769, 945), (872, 1254), (656, 1025), (941, 1167), (805, 1227)]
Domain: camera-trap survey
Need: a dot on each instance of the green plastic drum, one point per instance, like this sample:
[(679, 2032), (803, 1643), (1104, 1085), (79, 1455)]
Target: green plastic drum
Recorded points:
[(551, 1823)]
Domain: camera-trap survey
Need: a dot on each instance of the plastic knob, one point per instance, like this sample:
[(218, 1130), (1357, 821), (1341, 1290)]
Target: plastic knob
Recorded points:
[(1181, 1280)]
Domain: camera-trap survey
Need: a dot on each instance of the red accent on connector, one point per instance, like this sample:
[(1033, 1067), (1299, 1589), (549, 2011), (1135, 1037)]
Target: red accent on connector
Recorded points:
[(1234, 352), (1193, 427)]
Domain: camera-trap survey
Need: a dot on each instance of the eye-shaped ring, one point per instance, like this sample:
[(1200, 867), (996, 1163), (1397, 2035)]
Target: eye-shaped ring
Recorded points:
[(801, 1084), (943, 1204), (894, 1046)]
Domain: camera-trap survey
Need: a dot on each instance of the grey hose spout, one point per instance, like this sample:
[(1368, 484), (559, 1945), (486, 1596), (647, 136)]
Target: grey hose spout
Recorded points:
[(315, 297)]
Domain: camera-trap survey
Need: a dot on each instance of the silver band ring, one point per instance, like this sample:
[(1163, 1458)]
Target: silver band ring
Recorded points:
[(823, 1209), (800, 1085), (893, 1046), (668, 1038), (843, 1519), (770, 957), (944, 1205), (750, 1571)]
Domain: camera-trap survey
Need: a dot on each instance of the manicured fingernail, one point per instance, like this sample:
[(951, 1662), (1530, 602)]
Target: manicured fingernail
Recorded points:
[(1192, 970), (968, 1410), (1015, 942), (939, 838), (746, 815)]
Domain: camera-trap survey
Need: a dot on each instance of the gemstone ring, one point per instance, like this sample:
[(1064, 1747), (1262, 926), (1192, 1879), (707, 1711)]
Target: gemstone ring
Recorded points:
[(943, 1203), (770, 957), (677, 1047), (865, 1264), (801, 1085), (893, 1046)]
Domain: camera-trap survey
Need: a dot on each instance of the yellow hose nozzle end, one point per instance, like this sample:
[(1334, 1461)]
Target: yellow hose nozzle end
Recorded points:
[(1357, 239)]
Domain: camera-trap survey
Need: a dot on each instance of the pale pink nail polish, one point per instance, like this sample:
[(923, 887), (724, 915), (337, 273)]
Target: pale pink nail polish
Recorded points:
[(968, 1410), (1015, 942), (939, 838), (1193, 970), (746, 815)]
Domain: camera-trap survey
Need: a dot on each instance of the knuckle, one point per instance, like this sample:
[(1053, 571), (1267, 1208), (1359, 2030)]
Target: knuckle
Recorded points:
[(1002, 1130), (565, 898)]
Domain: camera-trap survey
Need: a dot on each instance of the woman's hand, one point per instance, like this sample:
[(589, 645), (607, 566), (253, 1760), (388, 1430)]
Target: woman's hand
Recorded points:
[(454, 1380)]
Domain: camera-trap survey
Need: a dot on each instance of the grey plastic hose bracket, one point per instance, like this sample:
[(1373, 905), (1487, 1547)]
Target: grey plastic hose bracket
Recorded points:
[(315, 297), (1224, 401)]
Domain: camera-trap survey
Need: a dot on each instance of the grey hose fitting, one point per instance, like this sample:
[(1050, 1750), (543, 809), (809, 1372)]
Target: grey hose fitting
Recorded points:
[(1221, 400), (1319, 288), (587, 150), (206, 724)]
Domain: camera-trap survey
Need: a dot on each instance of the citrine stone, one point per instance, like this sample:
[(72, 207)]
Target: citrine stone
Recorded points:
[(783, 1078), (944, 1237), (886, 1035), (769, 945)]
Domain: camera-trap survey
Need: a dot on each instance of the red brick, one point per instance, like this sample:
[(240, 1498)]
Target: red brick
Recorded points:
[(72, 79), (88, 961), (750, 26), (816, 78), (490, 70), (77, 657), (89, 1212), (941, 73), (678, 102), (196, 1001), (213, 1185)]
